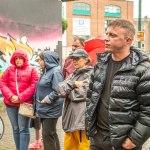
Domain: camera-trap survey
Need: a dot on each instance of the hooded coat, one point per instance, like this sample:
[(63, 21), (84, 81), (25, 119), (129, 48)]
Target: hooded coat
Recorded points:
[(129, 105), (26, 77), (47, 87), (73, 118)]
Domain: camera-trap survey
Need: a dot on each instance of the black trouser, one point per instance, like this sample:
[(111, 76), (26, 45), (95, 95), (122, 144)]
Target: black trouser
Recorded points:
[(102, 142), (50, 137)]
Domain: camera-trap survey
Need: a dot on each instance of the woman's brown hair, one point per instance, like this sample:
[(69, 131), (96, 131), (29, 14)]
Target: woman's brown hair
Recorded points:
[(41, 55)]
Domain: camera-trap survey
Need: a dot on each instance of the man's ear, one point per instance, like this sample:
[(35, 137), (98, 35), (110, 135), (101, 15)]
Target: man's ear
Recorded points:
[(129, 40)]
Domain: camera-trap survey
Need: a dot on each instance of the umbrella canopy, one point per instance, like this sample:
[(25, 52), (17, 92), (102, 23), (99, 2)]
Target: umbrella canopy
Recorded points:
[(95, 45)]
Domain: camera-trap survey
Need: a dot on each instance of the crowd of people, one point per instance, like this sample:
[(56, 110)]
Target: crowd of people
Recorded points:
[(103, 107)]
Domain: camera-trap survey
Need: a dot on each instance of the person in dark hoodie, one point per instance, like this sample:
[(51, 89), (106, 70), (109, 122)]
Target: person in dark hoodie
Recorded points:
[(74, 89), (18, 84), (48, 107)]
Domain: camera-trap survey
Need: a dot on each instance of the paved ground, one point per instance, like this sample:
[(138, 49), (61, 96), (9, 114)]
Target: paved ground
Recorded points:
[(7, 143)]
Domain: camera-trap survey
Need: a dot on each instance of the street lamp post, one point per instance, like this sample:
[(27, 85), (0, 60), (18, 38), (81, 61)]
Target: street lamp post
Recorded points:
[(139, 20)]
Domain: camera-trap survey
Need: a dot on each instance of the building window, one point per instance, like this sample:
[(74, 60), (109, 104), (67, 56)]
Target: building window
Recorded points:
[(81, 9), (112, 11)]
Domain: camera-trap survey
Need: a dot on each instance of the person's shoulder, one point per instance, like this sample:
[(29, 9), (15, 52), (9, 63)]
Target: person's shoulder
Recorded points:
[(67, 60), (143, 66), (31, 67), (10, 68), (57, 69), (146, 64), (90, 68)]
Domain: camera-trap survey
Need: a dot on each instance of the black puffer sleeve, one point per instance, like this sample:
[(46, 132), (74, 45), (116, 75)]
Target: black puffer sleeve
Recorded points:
[(141, 132)]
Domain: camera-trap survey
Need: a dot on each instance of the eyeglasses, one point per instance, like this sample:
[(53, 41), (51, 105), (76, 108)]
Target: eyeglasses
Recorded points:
[(76, 58)]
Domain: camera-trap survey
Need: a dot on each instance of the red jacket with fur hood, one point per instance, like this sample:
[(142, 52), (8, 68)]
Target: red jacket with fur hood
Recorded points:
[(26, 77)]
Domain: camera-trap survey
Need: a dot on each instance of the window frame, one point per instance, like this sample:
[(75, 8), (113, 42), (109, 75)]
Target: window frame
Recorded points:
[(112, 11), (80, 8)]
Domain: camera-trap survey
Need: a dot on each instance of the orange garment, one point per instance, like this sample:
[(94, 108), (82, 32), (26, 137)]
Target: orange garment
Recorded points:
[(76, 140)]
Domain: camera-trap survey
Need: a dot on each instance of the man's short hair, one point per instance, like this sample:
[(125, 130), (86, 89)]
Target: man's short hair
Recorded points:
[(125, 24), (81, 40)]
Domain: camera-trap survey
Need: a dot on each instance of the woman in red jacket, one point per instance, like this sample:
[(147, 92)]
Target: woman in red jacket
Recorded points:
[(18, 85)]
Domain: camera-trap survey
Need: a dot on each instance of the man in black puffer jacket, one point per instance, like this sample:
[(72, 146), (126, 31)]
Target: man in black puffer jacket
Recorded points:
[(118, 101)]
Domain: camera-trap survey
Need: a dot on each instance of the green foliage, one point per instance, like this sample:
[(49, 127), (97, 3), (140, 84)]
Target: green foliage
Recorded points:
[(64, 25)]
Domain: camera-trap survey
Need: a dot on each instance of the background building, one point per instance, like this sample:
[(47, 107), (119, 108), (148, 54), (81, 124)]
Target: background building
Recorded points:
[(144, 35), (89, 18)]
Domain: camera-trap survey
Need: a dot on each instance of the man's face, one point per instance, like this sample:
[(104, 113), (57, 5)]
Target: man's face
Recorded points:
[(76, 45), (116, 40)]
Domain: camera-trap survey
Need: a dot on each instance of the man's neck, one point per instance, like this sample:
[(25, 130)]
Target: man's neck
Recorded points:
[(121, 54)]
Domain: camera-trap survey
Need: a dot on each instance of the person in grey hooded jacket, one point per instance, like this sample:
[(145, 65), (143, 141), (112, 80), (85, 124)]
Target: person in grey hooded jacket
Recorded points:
[(48, 106), (74, 89)]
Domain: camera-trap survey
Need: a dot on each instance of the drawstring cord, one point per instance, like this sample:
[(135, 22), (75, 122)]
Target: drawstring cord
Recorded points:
[(80, 135), (17, 89)]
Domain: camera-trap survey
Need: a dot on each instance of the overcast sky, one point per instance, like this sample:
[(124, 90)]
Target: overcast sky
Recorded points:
[(145, 8)]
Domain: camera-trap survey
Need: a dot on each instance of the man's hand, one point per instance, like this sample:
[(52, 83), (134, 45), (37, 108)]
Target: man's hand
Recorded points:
[(128, 144), (14, 99), (78, 83), (46, 101), (43, 101)]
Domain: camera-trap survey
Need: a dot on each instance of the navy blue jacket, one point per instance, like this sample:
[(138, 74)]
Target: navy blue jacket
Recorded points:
[(47, 88)]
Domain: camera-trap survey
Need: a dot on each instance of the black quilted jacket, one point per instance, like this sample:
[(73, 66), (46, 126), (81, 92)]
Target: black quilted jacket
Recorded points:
[(129, 107)]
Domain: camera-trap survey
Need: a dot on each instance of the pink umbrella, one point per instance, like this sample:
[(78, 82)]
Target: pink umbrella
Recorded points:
[(95, 45)]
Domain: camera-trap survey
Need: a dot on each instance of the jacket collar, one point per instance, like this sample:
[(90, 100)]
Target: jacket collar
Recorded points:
[(136, 56), (81, 70)]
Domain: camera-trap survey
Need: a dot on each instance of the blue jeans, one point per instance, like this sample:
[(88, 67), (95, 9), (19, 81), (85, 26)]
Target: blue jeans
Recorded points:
[(20, 125)]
